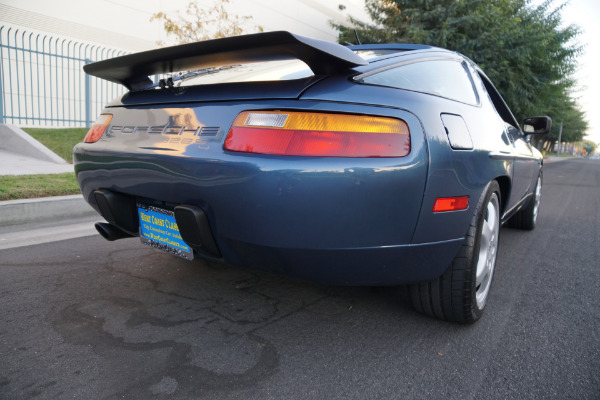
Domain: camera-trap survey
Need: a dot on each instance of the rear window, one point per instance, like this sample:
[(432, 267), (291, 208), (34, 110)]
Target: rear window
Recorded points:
[(254, 72), (259, 71), (372, 54), (445, 78)]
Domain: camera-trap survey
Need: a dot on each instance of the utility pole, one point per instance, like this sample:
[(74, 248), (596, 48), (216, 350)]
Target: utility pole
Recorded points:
[(559, 136)]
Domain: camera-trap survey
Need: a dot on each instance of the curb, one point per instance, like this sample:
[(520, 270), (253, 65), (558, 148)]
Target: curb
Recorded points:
[(556, 159), (45, 209)]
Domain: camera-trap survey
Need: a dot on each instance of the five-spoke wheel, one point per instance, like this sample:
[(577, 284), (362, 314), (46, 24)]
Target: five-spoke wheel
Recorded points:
[(461, 293)]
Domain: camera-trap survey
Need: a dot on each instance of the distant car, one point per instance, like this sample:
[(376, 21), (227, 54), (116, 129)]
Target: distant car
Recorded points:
[(364, 165)]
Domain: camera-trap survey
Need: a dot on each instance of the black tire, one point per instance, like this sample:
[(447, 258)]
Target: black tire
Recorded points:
[(526, 218), (459, 295)]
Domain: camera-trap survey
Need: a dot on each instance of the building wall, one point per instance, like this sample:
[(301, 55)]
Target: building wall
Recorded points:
[(126, 24), (45, 44)]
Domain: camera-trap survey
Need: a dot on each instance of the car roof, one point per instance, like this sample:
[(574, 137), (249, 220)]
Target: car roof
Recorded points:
[(392, 46), (391, 51), (397, 53)]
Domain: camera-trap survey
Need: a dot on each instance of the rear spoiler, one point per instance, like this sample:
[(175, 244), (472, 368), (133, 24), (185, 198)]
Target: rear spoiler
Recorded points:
[(133, 70)]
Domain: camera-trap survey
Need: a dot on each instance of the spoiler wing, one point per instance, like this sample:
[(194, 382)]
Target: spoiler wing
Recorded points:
[(133, 70)]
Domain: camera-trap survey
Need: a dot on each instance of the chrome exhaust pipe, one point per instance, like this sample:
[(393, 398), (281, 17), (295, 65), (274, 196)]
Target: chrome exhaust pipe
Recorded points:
[(110, 232)]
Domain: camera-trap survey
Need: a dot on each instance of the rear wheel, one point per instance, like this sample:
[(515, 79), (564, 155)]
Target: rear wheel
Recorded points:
[(527, 217), (461, 293)]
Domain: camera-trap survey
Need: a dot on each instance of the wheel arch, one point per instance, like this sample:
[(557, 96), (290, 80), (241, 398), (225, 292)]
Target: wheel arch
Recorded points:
[(505, 186)]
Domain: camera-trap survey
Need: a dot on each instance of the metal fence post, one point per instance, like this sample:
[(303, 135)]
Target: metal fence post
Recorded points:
[(1, 90), (88, 99), (1, 78), (45, 85)]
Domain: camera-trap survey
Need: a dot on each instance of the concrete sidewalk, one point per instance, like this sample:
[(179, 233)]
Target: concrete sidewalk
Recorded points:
[(19, 164), (21, 154)]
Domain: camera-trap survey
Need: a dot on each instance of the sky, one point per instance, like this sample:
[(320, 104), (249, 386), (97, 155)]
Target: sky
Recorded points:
[(126, 23), (586, 14)]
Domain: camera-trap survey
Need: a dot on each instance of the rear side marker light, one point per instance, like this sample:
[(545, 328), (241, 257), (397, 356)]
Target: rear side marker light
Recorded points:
[(97, 129), (444, 204), (318, 135)]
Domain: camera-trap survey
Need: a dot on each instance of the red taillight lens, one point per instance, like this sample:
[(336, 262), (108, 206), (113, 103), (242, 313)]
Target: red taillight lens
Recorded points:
[(318, 135), (444, 204), (97, 129)]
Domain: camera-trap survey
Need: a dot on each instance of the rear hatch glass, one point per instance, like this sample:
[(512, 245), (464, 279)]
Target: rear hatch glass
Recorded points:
[(254, 72)]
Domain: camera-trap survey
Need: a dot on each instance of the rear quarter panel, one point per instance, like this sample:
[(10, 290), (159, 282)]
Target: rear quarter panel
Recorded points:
[(450, 172)]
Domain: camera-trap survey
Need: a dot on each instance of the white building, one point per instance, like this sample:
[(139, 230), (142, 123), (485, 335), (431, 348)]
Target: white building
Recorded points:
[(45, 44), (125, 24)]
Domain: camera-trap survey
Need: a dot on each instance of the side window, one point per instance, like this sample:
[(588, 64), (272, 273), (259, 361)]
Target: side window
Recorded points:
[(513, 133), (486, 86), (445, 78)]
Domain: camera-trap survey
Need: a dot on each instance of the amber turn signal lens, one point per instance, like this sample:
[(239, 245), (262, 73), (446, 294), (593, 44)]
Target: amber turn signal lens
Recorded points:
[(318, 135), (98, 128)]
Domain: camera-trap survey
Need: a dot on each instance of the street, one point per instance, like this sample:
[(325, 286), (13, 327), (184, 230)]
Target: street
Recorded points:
[(86, 318)]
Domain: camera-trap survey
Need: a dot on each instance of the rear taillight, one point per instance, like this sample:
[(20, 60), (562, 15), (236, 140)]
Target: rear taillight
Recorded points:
[(318, 135), (97, 129)]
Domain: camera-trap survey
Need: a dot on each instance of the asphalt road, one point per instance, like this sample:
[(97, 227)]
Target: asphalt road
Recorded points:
[(89, 319)]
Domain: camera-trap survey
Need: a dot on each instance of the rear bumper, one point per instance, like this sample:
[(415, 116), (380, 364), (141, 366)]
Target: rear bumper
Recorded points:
[(318, 203), (379, 265), (336, 220), (385, 265)]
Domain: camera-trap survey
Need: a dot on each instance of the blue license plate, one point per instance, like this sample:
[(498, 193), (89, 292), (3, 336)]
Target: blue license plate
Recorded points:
[(158, 229)]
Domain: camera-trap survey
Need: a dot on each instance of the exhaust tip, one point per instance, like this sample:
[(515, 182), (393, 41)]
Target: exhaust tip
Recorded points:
[(110, 232)]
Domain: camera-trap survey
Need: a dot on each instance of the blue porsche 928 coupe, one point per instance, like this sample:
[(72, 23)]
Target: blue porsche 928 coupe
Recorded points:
[(377, 164)]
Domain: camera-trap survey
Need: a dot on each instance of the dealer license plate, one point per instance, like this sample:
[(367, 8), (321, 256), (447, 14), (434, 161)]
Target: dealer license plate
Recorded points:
[(158, 229)]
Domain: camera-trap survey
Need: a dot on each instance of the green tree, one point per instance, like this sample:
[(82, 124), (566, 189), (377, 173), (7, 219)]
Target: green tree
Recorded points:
[(203, 23), (573, 120), (589, 147), (524, 49)]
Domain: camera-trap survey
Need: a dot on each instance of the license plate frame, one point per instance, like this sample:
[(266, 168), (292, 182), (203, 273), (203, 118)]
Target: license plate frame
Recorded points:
[(158, 229)]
